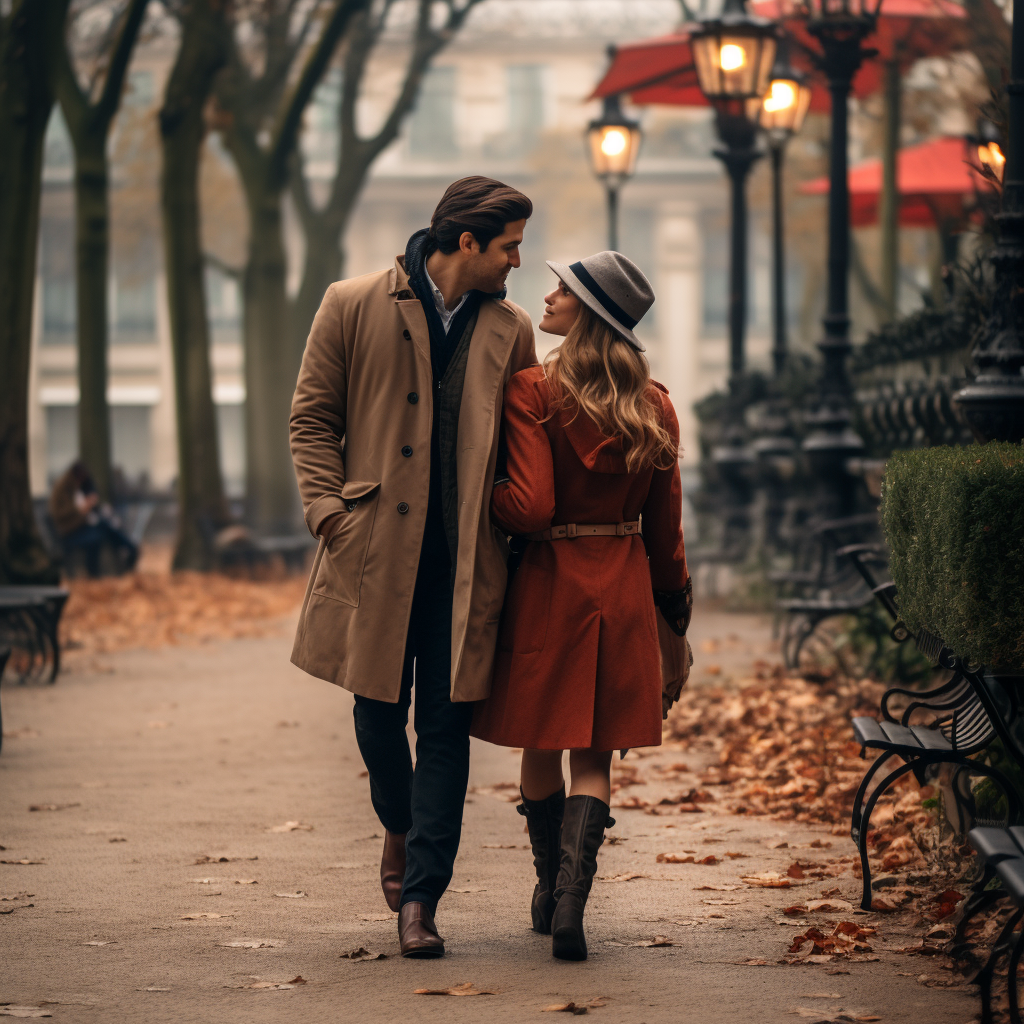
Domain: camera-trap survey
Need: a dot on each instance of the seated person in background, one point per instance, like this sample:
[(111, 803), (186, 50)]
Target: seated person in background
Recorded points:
[(82, 522)]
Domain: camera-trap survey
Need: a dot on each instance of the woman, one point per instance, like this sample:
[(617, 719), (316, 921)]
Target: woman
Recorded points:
[(592, 461)]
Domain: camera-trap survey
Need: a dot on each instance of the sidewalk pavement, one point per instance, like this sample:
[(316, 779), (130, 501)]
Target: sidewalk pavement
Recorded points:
[(149, 768)]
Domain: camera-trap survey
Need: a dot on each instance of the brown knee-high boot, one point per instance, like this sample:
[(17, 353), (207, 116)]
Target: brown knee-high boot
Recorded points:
[(583, 826), (544, 823)]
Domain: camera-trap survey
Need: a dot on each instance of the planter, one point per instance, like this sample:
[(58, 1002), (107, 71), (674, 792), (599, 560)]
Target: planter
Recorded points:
[(954, 520)]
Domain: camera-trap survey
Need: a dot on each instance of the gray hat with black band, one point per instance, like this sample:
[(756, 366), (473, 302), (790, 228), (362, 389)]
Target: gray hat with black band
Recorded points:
[(613, 287)]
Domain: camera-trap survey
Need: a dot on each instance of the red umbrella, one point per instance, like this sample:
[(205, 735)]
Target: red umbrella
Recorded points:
[(934, 178), (661, 70)]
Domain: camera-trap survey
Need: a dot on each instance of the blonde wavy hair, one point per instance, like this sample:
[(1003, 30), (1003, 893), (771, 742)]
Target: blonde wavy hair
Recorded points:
[(596, 371)]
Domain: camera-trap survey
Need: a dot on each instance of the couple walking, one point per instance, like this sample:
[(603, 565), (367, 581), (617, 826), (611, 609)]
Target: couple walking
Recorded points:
[(424, 435)]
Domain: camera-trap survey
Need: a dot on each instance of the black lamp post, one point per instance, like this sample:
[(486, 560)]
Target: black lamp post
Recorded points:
[(733, 56), (841, 27), (993, 403), (781, 115), (614, 145)]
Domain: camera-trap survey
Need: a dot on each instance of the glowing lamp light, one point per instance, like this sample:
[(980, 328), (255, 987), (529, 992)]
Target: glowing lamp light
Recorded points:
[(731, 57), (782, 110), (733, 54), (614, 144), (781, 96), (991, 156), (614, 141)]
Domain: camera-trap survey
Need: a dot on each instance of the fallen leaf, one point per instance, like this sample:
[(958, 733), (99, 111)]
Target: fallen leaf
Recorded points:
[(729, 854), (152, 988), (362, 953), (465, 989), (577, 1008), (246, 881), (24, 860), (117, 839), (626, 876), (756, 963), (513, 846), (794, 870), (291, 895), (252, 944), (377, 917), (719, 887), (291, 826), (276, 986), (658, 940), (769, 880), (203, 916), (94, 942), (220, 858), (52, 807), (23, 1011)]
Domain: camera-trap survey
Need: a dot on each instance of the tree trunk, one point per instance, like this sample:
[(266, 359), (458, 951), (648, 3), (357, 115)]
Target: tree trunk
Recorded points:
[(92, 253), (201, 505), (270, 370), (889, 201), (323, 266), (25, 104)]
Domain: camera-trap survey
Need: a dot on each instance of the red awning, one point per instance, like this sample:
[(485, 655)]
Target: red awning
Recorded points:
[(933, 178), (661, 70)]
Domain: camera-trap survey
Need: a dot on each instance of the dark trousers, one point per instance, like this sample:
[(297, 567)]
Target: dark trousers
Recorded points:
[(425, 802), (92, 538)]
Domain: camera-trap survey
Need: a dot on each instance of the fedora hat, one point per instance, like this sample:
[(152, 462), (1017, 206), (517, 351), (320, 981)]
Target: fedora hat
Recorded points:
[(613, 287)]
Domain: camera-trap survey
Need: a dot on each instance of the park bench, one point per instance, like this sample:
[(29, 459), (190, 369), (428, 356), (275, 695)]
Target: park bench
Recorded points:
[(824, 583), (29, 617), (972, 708), (1001, 853)]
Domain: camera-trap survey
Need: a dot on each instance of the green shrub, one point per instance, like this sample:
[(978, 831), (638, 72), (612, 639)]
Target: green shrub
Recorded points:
[(954, 519)]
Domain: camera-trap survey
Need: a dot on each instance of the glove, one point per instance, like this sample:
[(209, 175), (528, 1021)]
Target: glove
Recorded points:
[(676, 606)]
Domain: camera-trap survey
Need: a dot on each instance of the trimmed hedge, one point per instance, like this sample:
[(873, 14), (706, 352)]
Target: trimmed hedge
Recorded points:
[(954, 520)]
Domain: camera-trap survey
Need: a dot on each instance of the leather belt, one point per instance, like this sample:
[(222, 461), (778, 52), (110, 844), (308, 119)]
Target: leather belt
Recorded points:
[(573, 530)]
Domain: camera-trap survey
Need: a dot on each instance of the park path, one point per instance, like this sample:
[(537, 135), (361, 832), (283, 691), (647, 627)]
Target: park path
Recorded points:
[(155, 760)]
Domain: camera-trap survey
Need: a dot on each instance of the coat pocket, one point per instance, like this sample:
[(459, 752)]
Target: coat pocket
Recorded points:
[(340, 574), (524, 628)]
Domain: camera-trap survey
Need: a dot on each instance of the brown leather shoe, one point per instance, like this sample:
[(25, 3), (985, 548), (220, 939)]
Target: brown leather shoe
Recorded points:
[(416, 932), (392, 868)]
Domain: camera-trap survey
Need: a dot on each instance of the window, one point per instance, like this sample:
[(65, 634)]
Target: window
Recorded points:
[(58, 152), (59, 313), (130, 441), (525, 105), (135, 309), (432, 128)]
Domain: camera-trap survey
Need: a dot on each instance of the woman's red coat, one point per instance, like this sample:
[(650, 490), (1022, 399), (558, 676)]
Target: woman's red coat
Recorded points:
[(578, 663)]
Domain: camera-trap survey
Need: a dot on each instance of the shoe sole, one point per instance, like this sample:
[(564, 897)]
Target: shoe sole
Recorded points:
[(424, 953)]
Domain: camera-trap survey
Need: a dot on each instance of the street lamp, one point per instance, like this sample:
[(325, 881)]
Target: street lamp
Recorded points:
[(993, 403), (614, 145), (780, 113), (733, 56), (841, 27)]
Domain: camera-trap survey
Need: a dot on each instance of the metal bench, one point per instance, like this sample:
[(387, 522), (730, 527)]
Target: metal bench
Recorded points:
[(826, 583), (29, 619), (1001, 852)]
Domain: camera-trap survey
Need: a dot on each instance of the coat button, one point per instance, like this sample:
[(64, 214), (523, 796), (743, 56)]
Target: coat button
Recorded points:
[(407, 335), (413, 397), (406, 451), (403, 507)]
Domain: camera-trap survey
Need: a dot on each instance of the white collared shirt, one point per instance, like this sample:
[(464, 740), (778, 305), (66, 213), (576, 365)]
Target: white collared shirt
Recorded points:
[(442, 312)]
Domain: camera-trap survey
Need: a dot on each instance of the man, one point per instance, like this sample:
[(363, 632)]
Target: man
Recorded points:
[(394, 435)]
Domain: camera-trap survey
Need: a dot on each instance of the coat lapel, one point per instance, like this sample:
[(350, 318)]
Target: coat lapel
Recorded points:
[(411, 310)]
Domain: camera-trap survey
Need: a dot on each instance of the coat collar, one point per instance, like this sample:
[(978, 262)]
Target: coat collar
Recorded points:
[(398, 281)]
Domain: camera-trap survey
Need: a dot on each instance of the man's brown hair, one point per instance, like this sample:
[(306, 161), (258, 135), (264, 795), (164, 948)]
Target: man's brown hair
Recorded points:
[(481, 206)]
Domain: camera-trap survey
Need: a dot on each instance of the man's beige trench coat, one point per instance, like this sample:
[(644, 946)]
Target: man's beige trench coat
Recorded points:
[(360, 438)]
